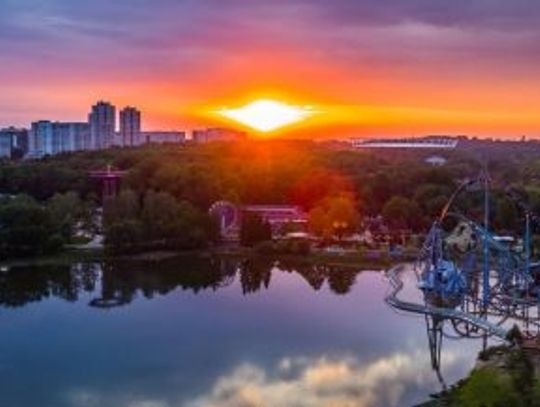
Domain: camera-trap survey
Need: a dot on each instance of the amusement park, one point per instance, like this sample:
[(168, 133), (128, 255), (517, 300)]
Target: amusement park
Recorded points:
[(473, 282)]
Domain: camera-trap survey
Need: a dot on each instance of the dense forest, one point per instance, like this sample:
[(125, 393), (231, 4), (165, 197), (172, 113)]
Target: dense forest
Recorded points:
[(168, 189)]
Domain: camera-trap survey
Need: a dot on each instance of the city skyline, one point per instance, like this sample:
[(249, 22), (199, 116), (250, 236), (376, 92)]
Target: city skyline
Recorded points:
[(374, 68), (105, 127)]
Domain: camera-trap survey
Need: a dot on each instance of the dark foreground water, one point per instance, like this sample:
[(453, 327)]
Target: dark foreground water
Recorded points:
[(202, 332)]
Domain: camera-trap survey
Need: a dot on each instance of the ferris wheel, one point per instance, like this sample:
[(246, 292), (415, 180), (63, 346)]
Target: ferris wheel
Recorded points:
[(227, 215)]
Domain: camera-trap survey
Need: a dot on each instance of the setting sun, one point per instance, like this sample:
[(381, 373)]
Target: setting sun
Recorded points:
[(267, 115)]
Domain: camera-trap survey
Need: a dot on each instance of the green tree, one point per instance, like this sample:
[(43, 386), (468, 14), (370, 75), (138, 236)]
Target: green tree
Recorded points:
[(400, 213), (122, 224), (254, 230), (160, 214), (161, 222), (431, 198), (124, 206), (506, 214), (194, 228), (334, 217), (125, 236), (26, 228), (65, 210)]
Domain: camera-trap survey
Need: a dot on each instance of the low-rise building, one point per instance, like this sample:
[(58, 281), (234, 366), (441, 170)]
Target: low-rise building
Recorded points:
[(436, 161), (429, 142), (161, 137), (283, 219), (278, 216), (217, 134)]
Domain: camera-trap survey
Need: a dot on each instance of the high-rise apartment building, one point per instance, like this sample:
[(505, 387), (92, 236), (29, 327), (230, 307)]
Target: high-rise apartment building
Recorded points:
[(69, 137), (130, 126), (40, 140), (19, 139), (102, 121), (6, 144), (13, 141), (49, 138)]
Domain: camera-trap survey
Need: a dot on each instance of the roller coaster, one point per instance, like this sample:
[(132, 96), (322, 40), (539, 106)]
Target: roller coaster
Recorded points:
[(473, 283)]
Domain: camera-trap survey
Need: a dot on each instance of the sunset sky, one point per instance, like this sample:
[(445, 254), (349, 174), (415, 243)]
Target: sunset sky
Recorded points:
[(381, 67)]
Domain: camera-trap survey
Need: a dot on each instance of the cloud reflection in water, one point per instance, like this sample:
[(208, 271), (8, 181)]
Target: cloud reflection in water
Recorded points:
[(304, 382), (323, 382)]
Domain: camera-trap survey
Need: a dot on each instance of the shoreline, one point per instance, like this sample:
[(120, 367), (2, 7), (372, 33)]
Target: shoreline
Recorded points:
[(345, 260)]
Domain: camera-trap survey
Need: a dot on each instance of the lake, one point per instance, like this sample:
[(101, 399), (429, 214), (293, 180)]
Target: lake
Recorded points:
[(201, 331)]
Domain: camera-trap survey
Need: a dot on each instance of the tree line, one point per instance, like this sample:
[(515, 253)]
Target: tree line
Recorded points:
[(170, 188), (29, 227)]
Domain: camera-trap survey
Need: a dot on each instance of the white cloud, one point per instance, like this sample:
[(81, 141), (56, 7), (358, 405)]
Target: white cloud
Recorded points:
[(323, 382), (301, 382)]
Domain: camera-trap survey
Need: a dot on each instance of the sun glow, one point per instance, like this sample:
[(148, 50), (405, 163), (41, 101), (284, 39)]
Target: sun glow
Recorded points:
[(267, 115)]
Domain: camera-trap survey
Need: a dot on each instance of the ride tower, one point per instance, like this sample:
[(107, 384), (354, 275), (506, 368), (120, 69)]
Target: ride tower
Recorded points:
[(109, 181)]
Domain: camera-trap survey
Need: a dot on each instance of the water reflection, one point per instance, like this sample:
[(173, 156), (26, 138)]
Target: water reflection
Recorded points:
[(22, 285), (434, 328), (321, 382), (117, 283), (301, 381), (218, 332), (440, 329)]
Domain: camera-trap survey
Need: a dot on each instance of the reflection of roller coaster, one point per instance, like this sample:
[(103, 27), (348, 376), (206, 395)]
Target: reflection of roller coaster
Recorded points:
[(472, 279)]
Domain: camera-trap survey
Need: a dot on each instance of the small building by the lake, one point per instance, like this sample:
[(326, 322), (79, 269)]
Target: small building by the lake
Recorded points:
[(283, 219)]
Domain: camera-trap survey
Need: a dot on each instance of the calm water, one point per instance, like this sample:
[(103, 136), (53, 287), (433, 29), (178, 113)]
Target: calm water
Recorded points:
[(202, 332)]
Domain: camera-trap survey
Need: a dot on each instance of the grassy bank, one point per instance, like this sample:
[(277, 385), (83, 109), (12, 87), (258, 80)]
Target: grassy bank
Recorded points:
[(503, 376)]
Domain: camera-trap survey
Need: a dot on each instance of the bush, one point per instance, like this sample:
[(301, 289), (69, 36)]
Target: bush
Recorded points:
[(26, 228), (514, 335)]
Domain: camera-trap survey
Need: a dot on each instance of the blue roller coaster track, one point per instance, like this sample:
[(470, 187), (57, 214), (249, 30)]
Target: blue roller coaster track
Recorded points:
[(472, 279)]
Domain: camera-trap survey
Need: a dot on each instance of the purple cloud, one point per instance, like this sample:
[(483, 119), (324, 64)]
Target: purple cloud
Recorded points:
[(135, 40)]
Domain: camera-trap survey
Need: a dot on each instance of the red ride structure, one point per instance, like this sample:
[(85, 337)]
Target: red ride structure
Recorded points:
[(109, 180)]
